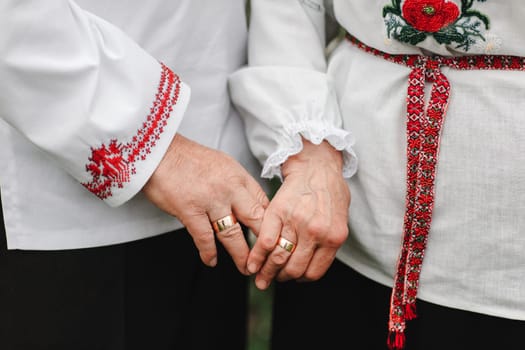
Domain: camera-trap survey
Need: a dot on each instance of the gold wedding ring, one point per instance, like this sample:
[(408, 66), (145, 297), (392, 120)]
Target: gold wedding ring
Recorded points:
[(224, 223), (286, 244)]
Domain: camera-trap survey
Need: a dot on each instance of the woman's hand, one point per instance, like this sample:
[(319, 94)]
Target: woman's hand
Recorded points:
[(310, 209)]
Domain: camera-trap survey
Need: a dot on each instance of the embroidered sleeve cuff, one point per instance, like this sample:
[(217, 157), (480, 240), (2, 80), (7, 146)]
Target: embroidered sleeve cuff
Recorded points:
[(119, 169), (315, 132)]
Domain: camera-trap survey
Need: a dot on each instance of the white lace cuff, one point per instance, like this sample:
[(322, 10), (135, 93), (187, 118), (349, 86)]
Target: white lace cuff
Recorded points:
[(315, 132)]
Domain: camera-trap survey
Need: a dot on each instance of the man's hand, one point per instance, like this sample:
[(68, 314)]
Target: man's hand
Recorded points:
[(199, 185), (310, 209)]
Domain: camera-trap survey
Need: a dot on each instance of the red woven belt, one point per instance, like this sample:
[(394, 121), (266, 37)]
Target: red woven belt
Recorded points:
[(423, 138)]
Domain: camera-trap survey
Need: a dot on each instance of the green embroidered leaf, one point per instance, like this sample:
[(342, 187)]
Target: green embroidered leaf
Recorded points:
[(392, 22), (464, 32), (395, 8), (396, 4), (448, 35), (466, 4), (479, 15), (390, 10), (410, 35)]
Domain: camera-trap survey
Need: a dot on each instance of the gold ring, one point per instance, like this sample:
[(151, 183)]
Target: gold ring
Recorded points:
[(286, 244), (224, 223)]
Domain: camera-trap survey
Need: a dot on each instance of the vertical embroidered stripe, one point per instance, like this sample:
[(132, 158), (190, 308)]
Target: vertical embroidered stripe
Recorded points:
[(423, 140)]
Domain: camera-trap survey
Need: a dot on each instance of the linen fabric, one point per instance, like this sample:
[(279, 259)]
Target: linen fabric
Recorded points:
[(474, 258), (86, 100)]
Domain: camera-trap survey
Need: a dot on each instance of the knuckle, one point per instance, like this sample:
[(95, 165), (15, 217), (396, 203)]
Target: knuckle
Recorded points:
[(257, 259), (262, 198), (298, 216), (230, 233), (266, 243), (278, 206), (193, 210), (256, 212), (318, 227), (294, 272), (336, 239), (279, 257), (338, 236), (203, 238)]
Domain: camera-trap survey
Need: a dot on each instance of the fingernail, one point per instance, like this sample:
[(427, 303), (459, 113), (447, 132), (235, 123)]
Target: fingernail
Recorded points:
[(261, 284), (213, 262), (252, 268)]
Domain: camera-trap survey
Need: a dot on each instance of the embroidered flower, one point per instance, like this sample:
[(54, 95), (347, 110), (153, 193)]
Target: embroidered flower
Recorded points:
[(109, 162), (430, 15), (412, 21)]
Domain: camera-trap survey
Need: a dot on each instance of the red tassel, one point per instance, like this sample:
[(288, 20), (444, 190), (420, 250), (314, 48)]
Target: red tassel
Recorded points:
[(396, 340), (410, 311)]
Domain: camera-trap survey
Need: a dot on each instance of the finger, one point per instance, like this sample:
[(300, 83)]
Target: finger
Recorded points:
[(320, 263), (277, 258), (203, 236), (298, 262), (257, 192), (235, 244), (327, 249), (265, 243), (248, 209), (230, 234)]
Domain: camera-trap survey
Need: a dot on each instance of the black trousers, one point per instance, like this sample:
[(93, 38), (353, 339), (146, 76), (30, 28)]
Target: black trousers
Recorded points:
[(345, 310), (149, 294)]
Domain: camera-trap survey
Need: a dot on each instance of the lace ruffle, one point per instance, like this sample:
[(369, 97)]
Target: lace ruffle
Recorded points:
[(315, 132)]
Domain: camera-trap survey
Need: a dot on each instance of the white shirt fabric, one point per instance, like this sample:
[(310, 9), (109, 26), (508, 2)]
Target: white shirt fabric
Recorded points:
[(475, 258), (77, 75)]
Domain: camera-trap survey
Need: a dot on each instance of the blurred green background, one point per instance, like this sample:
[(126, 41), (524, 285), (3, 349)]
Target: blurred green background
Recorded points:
[(259, 318)]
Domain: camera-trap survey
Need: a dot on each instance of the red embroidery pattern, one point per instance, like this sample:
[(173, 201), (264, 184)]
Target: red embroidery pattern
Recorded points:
[(112, 166), (423, 139), (445, 21), (429, 15)]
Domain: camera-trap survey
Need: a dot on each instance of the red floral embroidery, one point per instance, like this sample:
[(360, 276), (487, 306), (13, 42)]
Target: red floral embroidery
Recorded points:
[(423, 138), (430, 15), (448, 23), (112, 166)]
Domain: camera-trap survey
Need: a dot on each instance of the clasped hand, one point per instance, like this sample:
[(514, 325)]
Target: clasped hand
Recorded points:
[(309, 210)]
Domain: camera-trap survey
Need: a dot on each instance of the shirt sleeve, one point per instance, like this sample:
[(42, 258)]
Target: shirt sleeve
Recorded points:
[(285, 94), (89, 97)]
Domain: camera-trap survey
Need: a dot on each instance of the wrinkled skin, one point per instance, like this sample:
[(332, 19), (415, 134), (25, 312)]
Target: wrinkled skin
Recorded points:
[(310, 209), (199, 185)]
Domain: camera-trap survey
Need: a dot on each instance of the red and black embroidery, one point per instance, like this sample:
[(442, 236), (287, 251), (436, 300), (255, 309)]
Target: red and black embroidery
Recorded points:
[(445, 21), (424, 124), (112, 165)]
